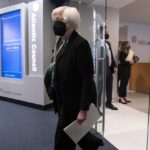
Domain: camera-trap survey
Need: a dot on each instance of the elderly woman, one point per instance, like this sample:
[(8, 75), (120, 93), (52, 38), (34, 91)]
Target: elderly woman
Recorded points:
[(73, 78)]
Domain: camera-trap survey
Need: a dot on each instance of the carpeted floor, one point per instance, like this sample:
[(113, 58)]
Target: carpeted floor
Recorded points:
[(24, 128)]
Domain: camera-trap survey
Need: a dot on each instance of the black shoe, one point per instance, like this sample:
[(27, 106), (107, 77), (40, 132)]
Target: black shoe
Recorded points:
[(90, 142), (127, 101), (111, 106), (122, 101), (97, 144)]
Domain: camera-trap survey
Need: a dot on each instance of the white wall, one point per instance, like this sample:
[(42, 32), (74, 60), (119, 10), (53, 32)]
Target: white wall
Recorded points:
[(141, 46), (123, 33)]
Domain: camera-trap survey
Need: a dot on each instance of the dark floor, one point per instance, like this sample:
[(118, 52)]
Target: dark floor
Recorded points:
[(24, 128)]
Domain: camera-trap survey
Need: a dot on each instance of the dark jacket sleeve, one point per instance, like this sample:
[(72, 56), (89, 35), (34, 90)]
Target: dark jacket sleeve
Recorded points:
[(85, 68), (113, 64)]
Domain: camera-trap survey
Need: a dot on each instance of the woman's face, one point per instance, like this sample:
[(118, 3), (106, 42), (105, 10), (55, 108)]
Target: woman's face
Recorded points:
[(58, 17), (128, 45), (59, 26)]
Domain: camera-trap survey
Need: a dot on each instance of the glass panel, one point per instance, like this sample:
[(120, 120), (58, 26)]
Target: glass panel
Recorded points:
[(92, 28), (148, 126)]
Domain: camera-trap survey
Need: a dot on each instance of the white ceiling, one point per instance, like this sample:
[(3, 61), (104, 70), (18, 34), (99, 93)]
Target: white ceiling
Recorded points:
[(110, 3), (114, 3), (138, 11), (130, 10), (5, 3)]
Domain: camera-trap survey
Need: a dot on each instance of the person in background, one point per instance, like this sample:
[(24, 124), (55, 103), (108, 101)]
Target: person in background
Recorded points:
[(125, 60), (119, 49), (110, 69), (119, 46), (73, 80)]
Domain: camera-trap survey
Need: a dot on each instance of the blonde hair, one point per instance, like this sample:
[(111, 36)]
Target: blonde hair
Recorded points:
[(124, 45), (69, 15)]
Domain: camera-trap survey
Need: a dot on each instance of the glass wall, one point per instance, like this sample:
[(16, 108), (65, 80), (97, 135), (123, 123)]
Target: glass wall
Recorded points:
[(148, 126), (93, 14), (127, 126)]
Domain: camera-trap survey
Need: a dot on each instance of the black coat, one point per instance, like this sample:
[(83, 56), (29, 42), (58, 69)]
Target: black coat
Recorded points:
[(74, 85), (113, 63), (125, 66)]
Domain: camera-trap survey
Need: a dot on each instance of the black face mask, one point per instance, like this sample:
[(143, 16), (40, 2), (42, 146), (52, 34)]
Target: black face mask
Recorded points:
[(106, 36), (59, 28)]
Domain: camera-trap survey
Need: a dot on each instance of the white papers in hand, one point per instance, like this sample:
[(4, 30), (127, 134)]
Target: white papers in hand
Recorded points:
[(76, 131), (130, 55)]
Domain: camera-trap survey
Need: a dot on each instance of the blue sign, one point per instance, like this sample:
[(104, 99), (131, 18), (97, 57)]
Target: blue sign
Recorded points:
[(11, 44)]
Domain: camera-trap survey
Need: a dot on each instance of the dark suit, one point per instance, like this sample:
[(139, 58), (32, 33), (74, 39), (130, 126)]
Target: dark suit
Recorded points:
[(124, 69), (73, 86), (109, 75)]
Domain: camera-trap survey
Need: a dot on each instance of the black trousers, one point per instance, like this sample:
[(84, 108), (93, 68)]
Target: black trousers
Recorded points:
[(63, 142), (123, 76), (109, 86)]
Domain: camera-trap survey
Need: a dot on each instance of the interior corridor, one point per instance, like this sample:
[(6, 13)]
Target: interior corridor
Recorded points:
[(126, 128)]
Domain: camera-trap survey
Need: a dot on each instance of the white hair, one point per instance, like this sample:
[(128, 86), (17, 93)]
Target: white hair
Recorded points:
[(69, 14)]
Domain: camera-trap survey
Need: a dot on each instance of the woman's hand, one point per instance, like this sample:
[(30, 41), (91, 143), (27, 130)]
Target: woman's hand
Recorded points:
[(115, 70), (82, 115)]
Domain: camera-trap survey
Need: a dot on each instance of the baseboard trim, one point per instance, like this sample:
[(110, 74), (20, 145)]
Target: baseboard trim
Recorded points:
[(28, 104)]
